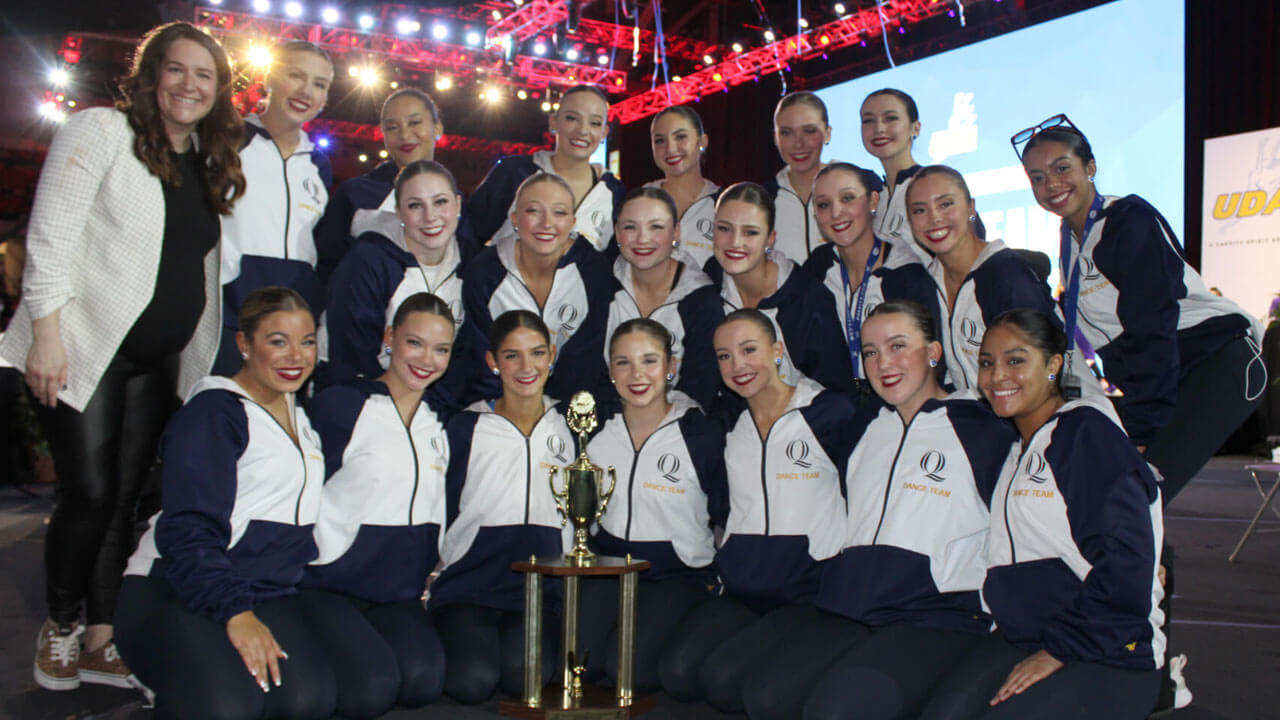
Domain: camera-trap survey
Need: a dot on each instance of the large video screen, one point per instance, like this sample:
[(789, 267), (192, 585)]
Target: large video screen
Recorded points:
[(1115, 70)]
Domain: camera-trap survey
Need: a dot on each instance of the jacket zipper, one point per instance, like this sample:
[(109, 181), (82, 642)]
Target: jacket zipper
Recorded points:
[(288, 201), (1013, 553), (884, 509), (764, 454), (631, 481), (413, 449), (297, 507)]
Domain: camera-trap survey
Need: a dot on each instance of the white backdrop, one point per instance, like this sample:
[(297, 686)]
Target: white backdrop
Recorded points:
[(1240, 254)]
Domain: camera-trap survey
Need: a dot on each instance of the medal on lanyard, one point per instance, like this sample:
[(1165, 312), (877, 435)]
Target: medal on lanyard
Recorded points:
[(853, 315), (1071, 296)]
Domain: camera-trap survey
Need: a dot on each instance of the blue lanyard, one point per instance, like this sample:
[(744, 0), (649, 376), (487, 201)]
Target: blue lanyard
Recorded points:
[(1071, 298), (853, 316)]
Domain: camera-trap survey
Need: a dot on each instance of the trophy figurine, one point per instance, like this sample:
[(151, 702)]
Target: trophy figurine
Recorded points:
[(583, 498)]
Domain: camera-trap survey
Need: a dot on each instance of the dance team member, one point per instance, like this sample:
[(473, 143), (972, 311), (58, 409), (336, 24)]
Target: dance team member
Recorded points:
[(1076, 530), (500, 510), (119, 314), (800, 128), (900, 602), (268, 239), (579, 125), (678, 143), (1187, 360), (976, 279), (411, 126), (421, 253), (785, 458), (208, 617), (857, 268), (551, 272), (890, 126), (671, 492), (751, 273), (657, 282), (381, 519)]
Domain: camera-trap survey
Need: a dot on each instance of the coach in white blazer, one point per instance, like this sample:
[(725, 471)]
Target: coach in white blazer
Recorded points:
[(120, 291)]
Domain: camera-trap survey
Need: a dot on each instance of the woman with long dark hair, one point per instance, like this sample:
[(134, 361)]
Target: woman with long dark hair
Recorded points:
[(119, 316)]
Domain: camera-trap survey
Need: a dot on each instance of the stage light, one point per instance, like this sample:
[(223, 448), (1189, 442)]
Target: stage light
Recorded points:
[(496, 15), (519, 3), (215, 3), (540, 47), (369, 76), (824, 40), (546, 106), (840, 9), (571, 55), (444, 82), (555, 106), (353, 71), (293, 9), (602, 59), (707, 59), (675, 78), (405, 26), (71, 103), (769, 36), (366, 22), (323, 142), (717, 77), (363, 158), (261, 6), (259, 56), (382, 153), (737, 47), (50, 111), (522, 94), (330, 15), (393, 84), (439, 31), (804, 24), (474, 38), (59, 76), (491, 95)]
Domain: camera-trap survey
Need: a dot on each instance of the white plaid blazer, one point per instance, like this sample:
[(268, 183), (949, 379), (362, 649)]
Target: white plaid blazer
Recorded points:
[(93, 247)]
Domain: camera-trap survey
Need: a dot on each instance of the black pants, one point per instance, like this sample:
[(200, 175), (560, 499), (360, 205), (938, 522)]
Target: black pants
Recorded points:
[(484, 650), (1213, 400), (188, 660), (382, 654), (1077, 691), (102, 457)]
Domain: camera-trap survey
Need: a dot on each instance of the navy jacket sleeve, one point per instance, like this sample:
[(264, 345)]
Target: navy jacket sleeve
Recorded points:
[(1147, 273), (1108, 492), (333, 232), (832, 418), (357, 311), (333, 414), (705, 440), (199, 453), (986, 440), (460, 430), (816, 344), (700, 312), (479, 281), (1008, 282), (490, 204)]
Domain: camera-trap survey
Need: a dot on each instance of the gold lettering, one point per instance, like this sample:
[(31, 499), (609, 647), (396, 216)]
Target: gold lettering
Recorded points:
[(1224, 208), (1252, 203)]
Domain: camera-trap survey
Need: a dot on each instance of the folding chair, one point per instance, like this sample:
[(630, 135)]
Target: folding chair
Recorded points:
[(1262, 508)]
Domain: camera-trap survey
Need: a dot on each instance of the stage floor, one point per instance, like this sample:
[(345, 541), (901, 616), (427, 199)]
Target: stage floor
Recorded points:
[(1226, 617)]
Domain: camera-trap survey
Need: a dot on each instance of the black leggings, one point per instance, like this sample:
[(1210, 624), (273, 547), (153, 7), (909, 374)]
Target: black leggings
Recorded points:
[(382, 654), (189, 662), (1077, 691), (484, 650), (102, 457)]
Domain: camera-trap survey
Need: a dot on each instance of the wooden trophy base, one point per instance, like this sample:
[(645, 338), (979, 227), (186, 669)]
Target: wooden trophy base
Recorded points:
[(596, 703)]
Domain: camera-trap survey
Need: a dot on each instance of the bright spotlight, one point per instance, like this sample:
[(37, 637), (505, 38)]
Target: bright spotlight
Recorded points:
[(363, 158), (366, 22), (522, 94), (261, 6), (546, 106), (737, 47), (323, 142), (840, 9), (353, 71), (259, 56), (405, 26), (769, 36), (602, 59), (474, 38), (382, 153), (440, 31), (368, 76), (215, 3), (496, 15), (444, 82), (330, 15), (540, 47), (50, 111), (571, 54), (707, 59), (293, 9), (59, 76), (393, 85), (804, 24)]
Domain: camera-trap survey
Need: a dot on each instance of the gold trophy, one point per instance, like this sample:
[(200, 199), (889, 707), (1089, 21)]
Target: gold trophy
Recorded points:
[(583, 499)]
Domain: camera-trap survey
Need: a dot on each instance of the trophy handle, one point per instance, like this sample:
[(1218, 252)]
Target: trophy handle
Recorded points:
[(604, 497), (561, 497)]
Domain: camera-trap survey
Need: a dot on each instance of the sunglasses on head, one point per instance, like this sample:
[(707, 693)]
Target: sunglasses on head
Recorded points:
[(1022, 137)]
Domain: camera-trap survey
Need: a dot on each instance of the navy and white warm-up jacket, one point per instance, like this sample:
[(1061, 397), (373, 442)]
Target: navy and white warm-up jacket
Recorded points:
[(1000, 280), (492, 203), (1076, 533), (576, 312), (786, 498), (366, 290), (698, 223), (240, 499), (918, 518), (794, 220), (690, 313), (893, 280), (499, 507), (268, 239), (891, 222), (671, 490), (798, 308), (1147, 312), (382, 509)]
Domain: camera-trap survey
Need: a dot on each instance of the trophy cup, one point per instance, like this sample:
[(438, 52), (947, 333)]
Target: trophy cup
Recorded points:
[(583, 498)]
